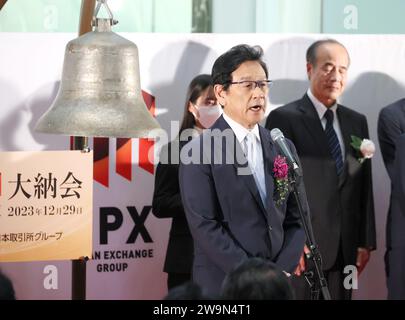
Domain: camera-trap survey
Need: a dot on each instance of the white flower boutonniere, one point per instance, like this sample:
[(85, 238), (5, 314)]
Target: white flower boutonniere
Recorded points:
[(365, 147)]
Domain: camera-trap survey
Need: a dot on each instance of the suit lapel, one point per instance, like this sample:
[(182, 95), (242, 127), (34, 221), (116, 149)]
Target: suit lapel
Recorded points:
[(242, 169), (313, 125)]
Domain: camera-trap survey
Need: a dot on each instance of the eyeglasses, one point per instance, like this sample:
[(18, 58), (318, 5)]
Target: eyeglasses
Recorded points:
[(251, 85)]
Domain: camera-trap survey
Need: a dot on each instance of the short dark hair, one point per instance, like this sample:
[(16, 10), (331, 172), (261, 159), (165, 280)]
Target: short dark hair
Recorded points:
[(256, 279), (232, 59), (311, 54), (194, 91)]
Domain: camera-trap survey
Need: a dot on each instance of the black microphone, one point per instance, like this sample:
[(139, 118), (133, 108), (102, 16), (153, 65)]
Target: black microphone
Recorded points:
[(278, 138)]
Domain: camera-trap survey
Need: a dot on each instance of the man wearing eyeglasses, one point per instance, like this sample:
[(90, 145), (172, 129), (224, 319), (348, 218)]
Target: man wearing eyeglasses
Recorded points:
[(232, 203), (338, 185)]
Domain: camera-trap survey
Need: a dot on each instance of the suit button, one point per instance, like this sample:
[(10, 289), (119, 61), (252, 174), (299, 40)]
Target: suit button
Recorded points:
[(270, 228)]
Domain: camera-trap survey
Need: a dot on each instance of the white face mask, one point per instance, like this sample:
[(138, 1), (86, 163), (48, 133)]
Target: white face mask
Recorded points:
[(208, 115)]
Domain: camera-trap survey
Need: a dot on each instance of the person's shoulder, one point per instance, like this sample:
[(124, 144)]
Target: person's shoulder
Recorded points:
[(192, 143), (284, 114), (288, 108), (393, 108), (353, 114), (287, 113), (169, 152), (192, 152)]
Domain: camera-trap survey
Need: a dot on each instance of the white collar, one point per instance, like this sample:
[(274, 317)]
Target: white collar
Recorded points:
[(239, 130), (319, 106)]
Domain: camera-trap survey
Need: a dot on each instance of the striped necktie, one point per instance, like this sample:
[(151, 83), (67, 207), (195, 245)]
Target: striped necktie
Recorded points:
[(333, 141)]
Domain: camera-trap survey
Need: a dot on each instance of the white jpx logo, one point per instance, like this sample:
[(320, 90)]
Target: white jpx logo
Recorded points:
[(351, 280)]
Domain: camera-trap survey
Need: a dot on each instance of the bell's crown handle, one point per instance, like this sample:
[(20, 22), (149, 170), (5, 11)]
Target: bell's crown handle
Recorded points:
[(96, 11)]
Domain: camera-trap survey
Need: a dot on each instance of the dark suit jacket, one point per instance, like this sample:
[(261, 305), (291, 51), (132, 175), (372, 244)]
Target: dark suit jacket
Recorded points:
[(342, 207), (226, 215), (167, 204), (391, 124), (391, 135)]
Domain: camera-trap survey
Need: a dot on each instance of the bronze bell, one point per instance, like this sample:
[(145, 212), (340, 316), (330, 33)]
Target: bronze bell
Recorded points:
[(100, 92)]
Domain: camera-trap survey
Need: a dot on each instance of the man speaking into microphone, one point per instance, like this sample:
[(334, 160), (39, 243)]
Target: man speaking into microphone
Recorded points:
[(236, 191)]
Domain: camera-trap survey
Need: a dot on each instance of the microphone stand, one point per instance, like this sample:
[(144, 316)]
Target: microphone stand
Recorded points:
[(314, 254)]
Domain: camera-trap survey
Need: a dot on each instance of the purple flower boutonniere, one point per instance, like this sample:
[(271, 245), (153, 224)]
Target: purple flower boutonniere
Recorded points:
[(280, 174)]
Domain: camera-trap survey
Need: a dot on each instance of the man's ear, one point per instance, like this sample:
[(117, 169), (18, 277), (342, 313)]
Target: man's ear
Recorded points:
[(220, 94), (309, 70)]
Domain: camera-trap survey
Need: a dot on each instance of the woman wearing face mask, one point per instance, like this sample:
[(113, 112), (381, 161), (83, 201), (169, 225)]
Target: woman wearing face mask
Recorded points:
[(200, 112)]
